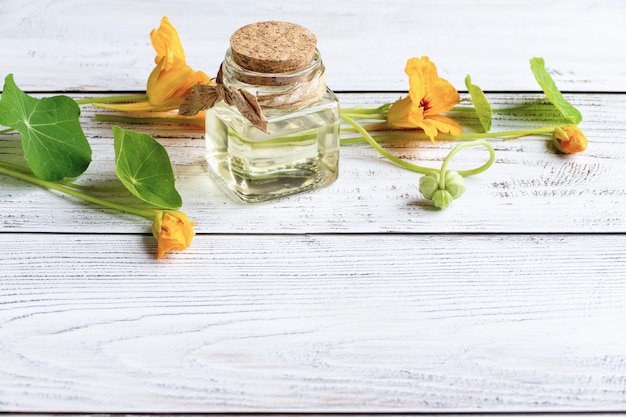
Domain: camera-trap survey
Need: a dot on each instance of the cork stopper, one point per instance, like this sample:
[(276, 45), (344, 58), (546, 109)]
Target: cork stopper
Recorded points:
[(273, 47)]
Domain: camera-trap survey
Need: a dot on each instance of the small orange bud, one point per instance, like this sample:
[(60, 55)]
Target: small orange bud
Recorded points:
[(173, 231), (569, 139)]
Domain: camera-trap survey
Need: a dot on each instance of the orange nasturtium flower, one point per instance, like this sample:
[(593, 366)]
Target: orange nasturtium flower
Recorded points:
[(429, 95), (569, 139), (173, 231), (172, 79)]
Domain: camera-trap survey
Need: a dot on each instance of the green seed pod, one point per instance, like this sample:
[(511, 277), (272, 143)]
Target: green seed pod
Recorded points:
[(442, 199), (455, 184), (430, 187), (429, 183)]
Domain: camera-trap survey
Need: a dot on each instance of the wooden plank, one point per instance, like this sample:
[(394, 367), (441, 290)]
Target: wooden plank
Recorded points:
[(529, 189), (351, 323), (339, 414), (92, 45), (335, 414)]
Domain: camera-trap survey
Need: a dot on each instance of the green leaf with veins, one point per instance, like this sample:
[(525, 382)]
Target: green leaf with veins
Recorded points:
[(543, 77), (144, 167), (54, 143), (482, 106)]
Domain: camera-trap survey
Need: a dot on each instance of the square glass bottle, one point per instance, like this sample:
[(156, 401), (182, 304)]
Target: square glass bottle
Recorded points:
[(300, 150)]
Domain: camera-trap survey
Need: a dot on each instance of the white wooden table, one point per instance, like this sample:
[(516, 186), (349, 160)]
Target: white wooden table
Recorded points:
[(359, 297)]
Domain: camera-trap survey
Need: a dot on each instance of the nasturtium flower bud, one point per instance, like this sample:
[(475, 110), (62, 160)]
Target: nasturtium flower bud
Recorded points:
[(431, 189), (442, 199), (455, 184), (429, 183), (569, 139), (172, 230)]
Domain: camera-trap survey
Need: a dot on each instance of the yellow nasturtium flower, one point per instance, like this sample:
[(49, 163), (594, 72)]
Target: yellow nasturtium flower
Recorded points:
[(429, 95), (172, 79), (569, 139), (173, 231)]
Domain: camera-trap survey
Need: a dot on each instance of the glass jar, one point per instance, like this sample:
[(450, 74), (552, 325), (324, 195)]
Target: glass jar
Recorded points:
[(300, 151)]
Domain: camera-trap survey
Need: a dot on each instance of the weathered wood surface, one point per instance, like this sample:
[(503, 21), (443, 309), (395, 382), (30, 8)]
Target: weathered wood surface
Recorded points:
[(355, 298), (104, 45), (529, 189), (317, 322)]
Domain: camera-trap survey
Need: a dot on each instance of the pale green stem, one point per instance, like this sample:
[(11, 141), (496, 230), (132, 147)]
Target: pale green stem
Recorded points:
[(147, 120), (466, 173), (507, 134), (2, 132), (368, 138), (18, 172), (360, 112), (462, 109), (62, 182), (112, 99), (504, 134), (423, 170), (380, 113), (365, 116)]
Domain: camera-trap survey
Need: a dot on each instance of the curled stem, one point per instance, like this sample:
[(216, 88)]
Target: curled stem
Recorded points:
[(469, 172), (420, 169), (368, 138)]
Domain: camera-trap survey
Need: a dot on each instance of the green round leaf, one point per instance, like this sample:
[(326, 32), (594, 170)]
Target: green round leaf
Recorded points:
[(571, 113), (54, 143), (144, 167), (482, 106)]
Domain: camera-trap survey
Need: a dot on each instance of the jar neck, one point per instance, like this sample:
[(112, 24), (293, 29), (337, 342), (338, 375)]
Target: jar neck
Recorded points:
[(277, 90)]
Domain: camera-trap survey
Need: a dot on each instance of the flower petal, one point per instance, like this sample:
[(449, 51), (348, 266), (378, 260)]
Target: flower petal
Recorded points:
[(167, 85), (166, 43), (420, 71), (405, 114), (442, 97), (434, 124)]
